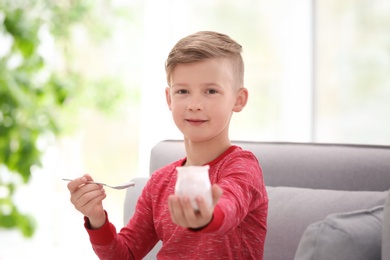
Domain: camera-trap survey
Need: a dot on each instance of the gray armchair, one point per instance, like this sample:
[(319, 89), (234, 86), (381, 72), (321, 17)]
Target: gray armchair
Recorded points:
[(310, 186)]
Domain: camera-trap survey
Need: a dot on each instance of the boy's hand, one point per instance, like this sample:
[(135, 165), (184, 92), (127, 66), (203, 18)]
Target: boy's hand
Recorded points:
[(184, 215), (87, 198)]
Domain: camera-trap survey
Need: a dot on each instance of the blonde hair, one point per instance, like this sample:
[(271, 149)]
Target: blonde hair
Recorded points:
[(206, 45)]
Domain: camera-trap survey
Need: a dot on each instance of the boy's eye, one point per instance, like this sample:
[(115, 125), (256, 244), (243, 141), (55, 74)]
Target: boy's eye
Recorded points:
[(182, 91), (211, 91)]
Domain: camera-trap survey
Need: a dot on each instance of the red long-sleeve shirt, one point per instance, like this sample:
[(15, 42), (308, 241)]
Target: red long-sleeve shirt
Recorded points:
[(237, 230)]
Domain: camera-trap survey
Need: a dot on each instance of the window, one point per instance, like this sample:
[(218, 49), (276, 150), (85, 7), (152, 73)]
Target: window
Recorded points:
[(352, 72)]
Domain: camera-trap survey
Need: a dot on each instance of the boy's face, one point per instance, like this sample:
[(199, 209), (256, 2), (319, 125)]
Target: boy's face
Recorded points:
[(202, 98)]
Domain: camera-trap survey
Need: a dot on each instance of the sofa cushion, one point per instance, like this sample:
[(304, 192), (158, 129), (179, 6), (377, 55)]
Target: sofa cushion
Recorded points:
[(292, 210), (353, 235), (386, 230)]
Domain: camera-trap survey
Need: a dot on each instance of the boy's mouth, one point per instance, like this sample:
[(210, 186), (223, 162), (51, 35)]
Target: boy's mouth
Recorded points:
[(195, 121)]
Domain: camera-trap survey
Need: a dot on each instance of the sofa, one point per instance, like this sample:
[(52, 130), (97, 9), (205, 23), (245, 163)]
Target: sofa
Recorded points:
[(326, 201)]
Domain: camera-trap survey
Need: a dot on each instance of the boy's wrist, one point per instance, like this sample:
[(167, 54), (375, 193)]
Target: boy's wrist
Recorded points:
[(202, 227), (102, 236), (215, 222), (96, 223)]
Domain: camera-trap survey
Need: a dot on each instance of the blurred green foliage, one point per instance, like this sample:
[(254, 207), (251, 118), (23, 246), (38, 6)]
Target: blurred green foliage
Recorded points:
[(36, 98)]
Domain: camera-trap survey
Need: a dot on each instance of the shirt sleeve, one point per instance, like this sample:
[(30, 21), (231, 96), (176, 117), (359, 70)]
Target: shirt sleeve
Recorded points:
[(243, 188), (133, 241), (215, 223), (102, 236), (241, 180), (106, 243)]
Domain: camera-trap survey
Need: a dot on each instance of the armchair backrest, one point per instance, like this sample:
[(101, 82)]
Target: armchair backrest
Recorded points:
[(306, 165)]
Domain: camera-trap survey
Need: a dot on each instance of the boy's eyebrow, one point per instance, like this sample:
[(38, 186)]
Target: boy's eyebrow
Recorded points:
[(207, 84), (211, 84), (178, 85)]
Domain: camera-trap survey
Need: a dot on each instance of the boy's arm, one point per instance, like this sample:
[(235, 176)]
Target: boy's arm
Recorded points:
[(241, 180), (243, 189), (134, 241), (102, 236)]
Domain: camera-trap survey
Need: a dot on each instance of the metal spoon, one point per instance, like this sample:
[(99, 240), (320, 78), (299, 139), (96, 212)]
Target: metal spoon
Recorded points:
[(117, 187)]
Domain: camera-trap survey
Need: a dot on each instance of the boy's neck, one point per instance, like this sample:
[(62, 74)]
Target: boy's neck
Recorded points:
[(200, 153)]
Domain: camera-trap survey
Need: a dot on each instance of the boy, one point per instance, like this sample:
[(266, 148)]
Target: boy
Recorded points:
[(205, 74)]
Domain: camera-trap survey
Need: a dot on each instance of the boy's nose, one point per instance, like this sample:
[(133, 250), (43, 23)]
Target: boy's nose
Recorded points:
[(195, 103)]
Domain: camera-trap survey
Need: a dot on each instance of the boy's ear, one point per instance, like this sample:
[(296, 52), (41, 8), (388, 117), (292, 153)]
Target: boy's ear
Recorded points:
[(168, 96), (241, 99)]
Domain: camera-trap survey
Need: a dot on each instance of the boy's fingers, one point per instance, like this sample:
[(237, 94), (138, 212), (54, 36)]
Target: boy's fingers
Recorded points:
[(188, 210), (90, 195), (89, 178), (203, 205), (76, 183), (89, 207), (92, 199), (183, 214), (176, 209), (73, 185), (173, 208)]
